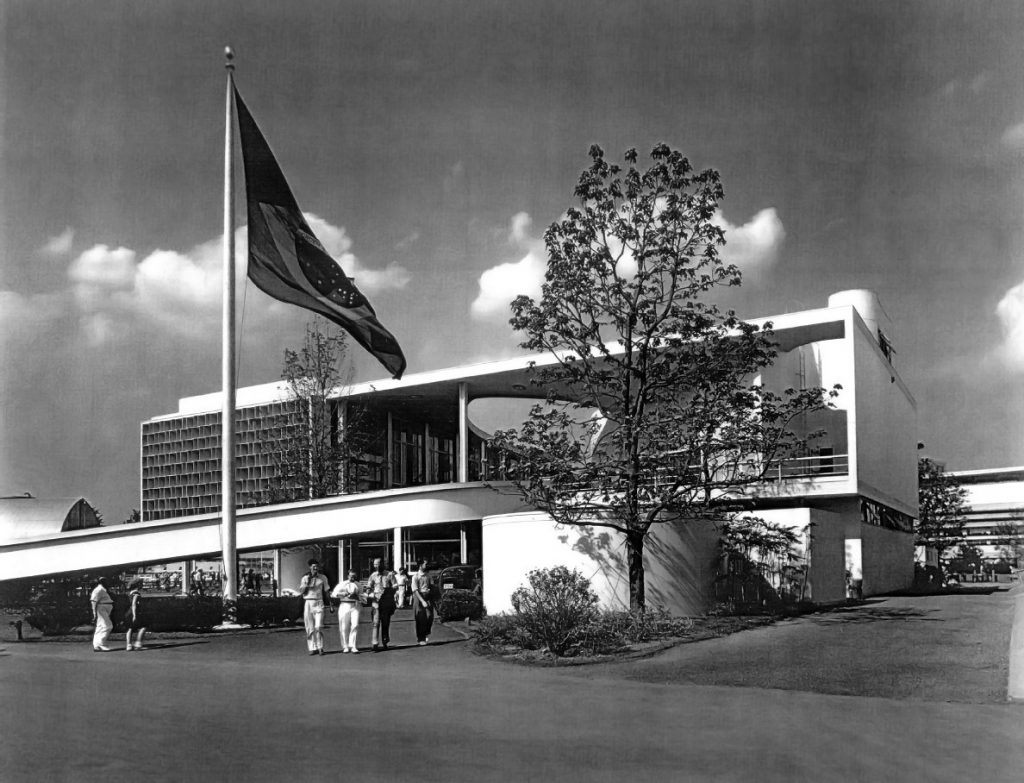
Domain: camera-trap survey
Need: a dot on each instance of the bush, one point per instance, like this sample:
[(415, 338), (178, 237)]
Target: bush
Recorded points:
[(611, 631), (460, 604), (555, 609), (498, 632), (260, 611), (56, 617)]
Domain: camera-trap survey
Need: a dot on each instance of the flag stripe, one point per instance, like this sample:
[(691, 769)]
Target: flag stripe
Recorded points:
[(288, 262)]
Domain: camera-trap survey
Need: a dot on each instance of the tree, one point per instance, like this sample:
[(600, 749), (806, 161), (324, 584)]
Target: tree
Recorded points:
[(940, 499), (653, 409), (311, 443), (1009, 537), (133, 517)]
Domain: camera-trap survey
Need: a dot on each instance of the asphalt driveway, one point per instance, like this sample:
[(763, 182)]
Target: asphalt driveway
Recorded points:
[(255, 707)]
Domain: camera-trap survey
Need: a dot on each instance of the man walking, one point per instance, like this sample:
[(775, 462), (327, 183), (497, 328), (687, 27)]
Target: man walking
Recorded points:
[(314, 588), (422, 604), (102, 604), (349, 595), (382, 599)]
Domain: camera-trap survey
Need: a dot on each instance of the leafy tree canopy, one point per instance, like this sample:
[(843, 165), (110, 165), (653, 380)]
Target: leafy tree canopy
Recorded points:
[(941, 505), (654, 409)]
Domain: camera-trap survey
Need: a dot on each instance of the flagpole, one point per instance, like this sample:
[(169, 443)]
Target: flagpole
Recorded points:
[(227, 454)]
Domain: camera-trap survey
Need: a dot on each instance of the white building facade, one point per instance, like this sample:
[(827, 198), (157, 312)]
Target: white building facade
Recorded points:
[(436, 491)]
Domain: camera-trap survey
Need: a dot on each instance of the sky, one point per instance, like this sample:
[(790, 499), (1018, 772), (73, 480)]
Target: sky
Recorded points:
[(861, 145)]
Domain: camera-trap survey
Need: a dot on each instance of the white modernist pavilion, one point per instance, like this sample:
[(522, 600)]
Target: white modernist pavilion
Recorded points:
[(438, 492)]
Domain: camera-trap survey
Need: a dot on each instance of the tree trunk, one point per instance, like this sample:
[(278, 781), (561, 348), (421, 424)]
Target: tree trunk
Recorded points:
[(635, 558)]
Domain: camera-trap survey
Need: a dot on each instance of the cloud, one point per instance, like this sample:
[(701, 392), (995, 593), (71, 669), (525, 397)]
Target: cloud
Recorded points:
[(180, 292), (754, 244), (974, 85), (1010, 311), (59, 245), (369, 281), (519, 230), (502, 283), (1013, 137)]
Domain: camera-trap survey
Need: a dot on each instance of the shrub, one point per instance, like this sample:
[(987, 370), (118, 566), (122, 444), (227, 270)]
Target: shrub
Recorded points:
[(56, 617), (460, 604), (555, 608), (612, 631), (498, 632), (260, 611)]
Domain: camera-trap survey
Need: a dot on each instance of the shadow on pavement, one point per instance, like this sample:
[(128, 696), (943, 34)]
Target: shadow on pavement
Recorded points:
[(167, 645)]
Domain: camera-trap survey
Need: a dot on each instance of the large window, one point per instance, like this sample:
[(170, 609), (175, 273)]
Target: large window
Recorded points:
[(407, 456), (442, 459)]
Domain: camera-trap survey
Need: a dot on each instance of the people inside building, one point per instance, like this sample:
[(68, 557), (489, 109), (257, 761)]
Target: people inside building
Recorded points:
[(135, 621), (349, 595), (314, 589), (381, 591), (401, 588), (102, 604)]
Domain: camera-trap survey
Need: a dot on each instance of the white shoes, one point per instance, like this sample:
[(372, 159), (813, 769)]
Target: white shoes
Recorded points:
[(100, 648)]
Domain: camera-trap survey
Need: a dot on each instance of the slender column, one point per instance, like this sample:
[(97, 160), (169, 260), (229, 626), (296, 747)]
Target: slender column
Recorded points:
[(463, 447), (428, 457), (389, 455), (227, 436), (396, 551), (462, 543), (276, 578)]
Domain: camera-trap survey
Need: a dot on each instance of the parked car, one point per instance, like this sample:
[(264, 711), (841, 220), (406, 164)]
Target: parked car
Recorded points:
[(459, 577)]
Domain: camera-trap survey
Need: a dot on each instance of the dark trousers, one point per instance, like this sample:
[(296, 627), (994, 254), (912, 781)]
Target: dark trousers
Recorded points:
[(424, 621), (382, 624)]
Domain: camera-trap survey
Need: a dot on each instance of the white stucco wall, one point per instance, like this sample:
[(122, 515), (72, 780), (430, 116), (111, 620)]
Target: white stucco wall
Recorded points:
[(826, 575), (680, 559), (886, 429), (515, 544)]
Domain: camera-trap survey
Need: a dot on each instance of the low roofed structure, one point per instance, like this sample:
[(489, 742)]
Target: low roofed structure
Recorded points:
[(25, 516)]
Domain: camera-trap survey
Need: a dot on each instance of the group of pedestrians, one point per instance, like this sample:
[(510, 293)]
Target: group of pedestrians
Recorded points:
[(102, 606), (384, 593)]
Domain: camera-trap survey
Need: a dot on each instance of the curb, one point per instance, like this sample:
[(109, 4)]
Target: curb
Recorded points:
[(1015, 685)]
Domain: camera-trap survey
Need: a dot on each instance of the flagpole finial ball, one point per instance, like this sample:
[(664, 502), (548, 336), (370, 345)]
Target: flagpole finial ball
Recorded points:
[(229, 55)]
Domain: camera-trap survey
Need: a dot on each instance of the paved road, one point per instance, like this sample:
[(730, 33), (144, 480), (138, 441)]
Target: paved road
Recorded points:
[(932, 648), (254, 707)]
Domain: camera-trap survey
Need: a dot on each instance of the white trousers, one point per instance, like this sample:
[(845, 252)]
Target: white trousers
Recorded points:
[(103, 625), (348, 614), (313, 618)]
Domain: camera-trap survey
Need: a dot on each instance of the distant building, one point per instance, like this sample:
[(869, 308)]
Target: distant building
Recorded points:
[(25, 516), (994, 521)]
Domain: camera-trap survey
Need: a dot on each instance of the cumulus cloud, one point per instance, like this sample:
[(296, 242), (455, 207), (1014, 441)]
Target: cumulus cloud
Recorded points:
[(181, 292), (1013, 137), (752, 245), (502, 283), (1010, 311), (756, 243), (338, 244), (59, 245)]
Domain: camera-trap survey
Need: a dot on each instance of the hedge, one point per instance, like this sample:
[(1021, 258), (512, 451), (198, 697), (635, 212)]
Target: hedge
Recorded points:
[(174, 613)]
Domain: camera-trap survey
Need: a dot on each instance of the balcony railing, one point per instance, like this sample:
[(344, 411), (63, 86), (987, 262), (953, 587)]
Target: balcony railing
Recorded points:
[(809, 467)]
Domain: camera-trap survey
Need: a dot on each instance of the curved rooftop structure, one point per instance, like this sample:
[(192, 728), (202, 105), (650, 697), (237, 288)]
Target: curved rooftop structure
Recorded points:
[(24, 516)]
